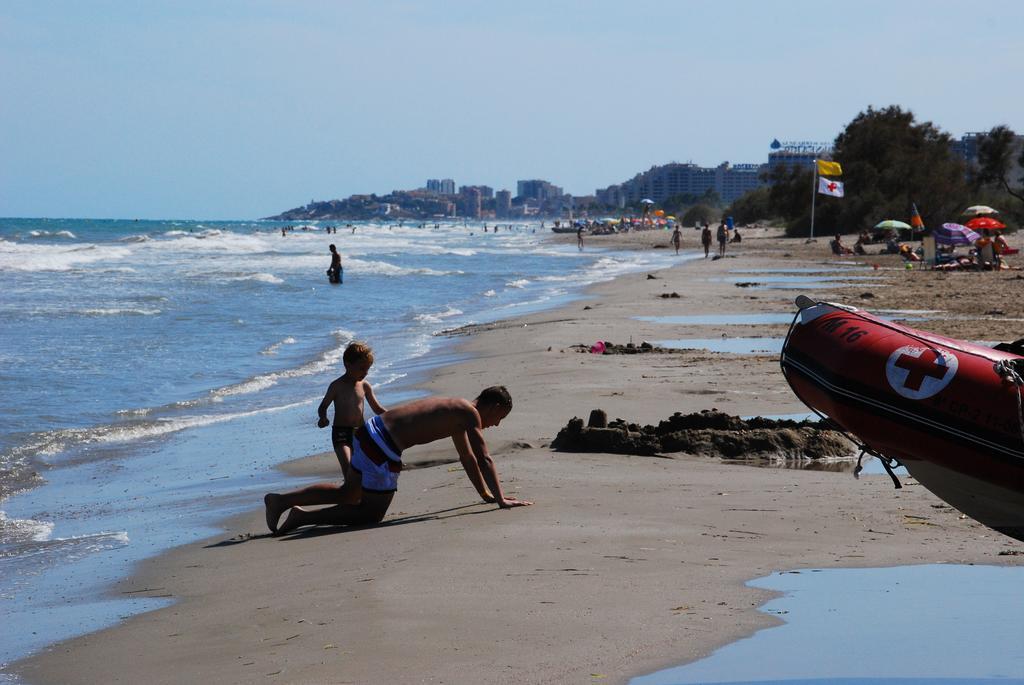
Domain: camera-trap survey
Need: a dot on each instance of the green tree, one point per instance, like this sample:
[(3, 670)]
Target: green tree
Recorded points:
[(700, 213), (996, 151), (890, 162), (752, 206)]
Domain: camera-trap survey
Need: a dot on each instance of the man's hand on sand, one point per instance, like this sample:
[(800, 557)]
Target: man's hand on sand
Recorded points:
[(323, 422), (510, 502)]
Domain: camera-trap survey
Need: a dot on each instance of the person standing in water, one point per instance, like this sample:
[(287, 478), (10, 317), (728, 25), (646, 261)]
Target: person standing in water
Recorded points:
[(336, 273)]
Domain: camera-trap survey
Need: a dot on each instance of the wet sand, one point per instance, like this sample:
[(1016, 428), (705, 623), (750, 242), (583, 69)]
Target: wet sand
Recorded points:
[(624, 565)]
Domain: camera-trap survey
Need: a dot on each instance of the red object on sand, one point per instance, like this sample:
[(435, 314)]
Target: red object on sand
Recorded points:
[(985, 223), (945, 408), (598, 347)]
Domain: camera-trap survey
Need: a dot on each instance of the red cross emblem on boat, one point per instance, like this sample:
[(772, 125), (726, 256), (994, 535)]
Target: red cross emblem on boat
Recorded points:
[(920, 372)]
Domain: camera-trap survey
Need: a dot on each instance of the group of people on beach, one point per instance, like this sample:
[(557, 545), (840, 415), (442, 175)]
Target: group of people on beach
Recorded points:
[(370, 452)]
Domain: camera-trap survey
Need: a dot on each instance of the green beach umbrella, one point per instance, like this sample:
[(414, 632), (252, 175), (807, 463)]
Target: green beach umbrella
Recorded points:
[(893, 224)]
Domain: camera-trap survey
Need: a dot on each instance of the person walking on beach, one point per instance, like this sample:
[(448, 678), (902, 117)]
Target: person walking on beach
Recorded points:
[(377, 461), (579, 237), (723, 238), (677, 238), (705, 239), (346, 393), (336, 273)]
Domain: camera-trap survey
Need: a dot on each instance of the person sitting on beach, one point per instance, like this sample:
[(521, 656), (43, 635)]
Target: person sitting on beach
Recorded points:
[(908, 254), (377, 461), (837, 246), (346, 393), (736, 237), (335, 274)]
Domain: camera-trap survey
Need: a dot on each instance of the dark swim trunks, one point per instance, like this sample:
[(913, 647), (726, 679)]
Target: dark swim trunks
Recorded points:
[(341, 436)]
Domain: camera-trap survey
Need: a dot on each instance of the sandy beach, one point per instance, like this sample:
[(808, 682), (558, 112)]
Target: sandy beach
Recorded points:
[(624, 565)]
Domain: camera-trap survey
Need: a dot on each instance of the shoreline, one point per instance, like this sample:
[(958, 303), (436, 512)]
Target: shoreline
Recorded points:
[(611, 572)]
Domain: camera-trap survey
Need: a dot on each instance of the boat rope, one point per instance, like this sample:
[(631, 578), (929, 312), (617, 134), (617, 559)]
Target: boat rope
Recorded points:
[(1007, 370)]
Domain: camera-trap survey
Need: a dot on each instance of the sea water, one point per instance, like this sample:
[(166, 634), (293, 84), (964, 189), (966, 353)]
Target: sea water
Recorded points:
[(153, 372), (909, 625)]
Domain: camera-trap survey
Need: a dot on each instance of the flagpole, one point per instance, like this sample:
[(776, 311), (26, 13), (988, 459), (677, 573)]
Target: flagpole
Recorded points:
[(814, 196)]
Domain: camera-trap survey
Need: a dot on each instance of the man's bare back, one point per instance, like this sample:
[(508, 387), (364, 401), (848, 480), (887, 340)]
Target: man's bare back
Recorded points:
[(427, 420)]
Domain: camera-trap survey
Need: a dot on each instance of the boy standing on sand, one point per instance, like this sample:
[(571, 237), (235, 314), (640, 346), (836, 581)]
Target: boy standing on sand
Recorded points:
[(346, 393), (377, 461)]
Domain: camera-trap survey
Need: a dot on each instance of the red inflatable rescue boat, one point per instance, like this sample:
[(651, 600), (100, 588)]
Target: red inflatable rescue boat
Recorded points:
[(948, 410)]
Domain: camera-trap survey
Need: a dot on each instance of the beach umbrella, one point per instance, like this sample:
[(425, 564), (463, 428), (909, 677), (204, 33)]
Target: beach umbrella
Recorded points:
[(646, 201), (985, 223), (955, 234), (892, 224), (979, 210)]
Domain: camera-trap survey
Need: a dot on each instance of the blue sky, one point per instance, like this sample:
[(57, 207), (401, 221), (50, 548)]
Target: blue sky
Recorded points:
[(227, 109)]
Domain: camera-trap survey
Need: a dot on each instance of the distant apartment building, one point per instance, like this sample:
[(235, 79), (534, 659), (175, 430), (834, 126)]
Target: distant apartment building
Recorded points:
[(443, 186), (662, 182), (503, 204), (537, 190), (470, 203)]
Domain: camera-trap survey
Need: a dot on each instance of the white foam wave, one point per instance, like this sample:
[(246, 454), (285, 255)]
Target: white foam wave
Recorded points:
[(518, 283), (272, 349), (69, 548), (490, 293), (386, 269), (23, 530), (134, 239), (23, 257), (324, 362), (119, 312), (437, 317), (259, 278), (54, 442), (52, 234)]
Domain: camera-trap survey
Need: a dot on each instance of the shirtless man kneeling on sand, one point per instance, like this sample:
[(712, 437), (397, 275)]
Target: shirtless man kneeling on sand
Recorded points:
[(377, 461)]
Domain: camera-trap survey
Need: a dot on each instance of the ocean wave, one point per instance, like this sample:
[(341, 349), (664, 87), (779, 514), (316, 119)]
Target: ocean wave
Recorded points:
[(324, 362), (259, 278), (134, 239), (118, 312), (14, 531), (55, 442), (387, 269), (437, 317), (272, 349), (22, 257), (52, 234), (518, 283), (490, 293), (69, 548)]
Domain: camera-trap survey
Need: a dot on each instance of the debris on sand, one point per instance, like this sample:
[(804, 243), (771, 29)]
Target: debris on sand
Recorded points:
[(708, 433), (628, 348)]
